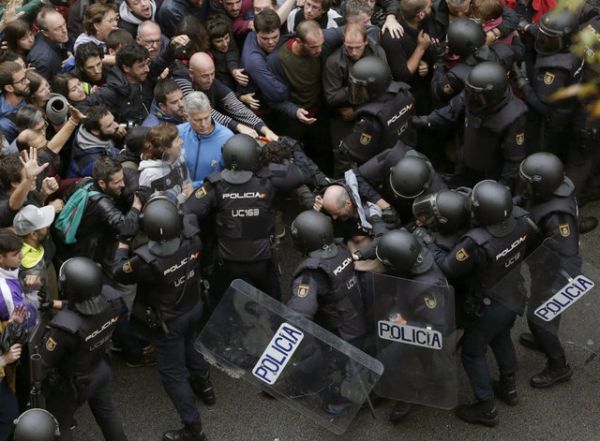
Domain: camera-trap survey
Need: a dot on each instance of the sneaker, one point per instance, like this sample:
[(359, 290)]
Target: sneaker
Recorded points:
[(550, 376), (480, 412), (399, 412), (529, 341), (203, 388), (506, 390)]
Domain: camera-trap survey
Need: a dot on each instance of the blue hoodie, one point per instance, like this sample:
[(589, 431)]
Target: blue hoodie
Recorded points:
[(203, 152), (155, 117), (7, 112)]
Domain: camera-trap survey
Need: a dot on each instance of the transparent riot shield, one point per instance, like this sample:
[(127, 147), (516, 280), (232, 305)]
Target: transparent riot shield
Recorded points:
[(415, 341), (254, 337), (561, 296)]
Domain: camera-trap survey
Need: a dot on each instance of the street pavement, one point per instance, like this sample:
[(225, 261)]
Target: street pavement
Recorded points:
[(569, 411)]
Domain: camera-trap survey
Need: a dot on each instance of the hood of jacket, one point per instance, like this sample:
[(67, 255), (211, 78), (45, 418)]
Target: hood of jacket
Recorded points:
[(126, 15), (88, 141)]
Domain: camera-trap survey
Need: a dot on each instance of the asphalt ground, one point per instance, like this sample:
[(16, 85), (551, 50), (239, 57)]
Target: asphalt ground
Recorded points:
[(569, 411)]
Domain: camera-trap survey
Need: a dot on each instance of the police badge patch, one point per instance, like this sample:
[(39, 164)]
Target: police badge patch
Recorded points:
[(565, 230), (430, 301), (200, 193), (365, 138), (462, 255), (303, 290), (127, 268), (50, 344), (448, 89), (548, 78), (520, 138)]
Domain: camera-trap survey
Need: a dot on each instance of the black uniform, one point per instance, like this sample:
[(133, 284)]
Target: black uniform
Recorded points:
[(484, 259), (379, 124), (73, 348), (245, 216), (168, 288)]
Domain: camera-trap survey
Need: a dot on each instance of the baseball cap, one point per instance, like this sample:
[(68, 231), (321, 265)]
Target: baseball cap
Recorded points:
[(31, 218)]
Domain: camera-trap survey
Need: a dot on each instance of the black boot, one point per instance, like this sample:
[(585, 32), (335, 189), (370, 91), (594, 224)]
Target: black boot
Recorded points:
[(400, 411), (189, 432), (480, 412), (557, 372), (587, 224), (529, 341), (506, 390), (203, 388)]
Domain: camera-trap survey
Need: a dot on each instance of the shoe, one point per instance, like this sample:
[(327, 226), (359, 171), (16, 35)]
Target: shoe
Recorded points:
[(149, 349), (528, 340), (204, 390), (190, 432), (147, 360), (480, 412), (400, 411), (590, 194), (506, 390), (587, 224), (550, 376)]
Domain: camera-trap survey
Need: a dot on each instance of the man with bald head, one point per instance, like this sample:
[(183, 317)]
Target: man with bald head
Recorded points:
[(228, 110), (50, 48), (150, 36)]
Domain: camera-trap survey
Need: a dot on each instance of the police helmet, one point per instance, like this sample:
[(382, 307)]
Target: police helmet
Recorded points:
[(402, 254), (80, 280), (161, 221), (240, 158), (486, 86), (36, 425), (491, 206), (312, 231), (467, 40), (555, 32), (544, 176), (410, 177), (369, 78), (445, 210)]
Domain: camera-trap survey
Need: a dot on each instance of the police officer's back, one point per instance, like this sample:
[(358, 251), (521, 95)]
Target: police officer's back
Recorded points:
[(73, 350)]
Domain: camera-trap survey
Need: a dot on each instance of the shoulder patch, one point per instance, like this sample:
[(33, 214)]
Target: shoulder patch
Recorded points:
[(303, 290), (430, 301), (548, 78), (365, 138), (200, 193), (50, 344), (127, 268), (462, 255), (448, 89), (520, 138), (565, 230)]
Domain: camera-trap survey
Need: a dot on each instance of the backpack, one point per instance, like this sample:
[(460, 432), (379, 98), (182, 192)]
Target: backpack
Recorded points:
[(69, 218)]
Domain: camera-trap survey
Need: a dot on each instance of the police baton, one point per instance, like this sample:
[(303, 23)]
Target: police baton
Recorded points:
[(37, 375)]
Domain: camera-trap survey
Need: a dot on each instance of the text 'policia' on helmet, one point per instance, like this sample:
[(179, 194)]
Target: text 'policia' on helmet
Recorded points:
[(446, 210), (369, 78), (311, 231), (485, 87), (542, 173), (555, 32), (465, 37), (490, 203)]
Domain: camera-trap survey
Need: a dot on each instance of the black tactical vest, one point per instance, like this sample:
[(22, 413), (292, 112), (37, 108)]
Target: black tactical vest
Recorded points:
[(245, 218), (340, 309), (543, 79), (567, 205)]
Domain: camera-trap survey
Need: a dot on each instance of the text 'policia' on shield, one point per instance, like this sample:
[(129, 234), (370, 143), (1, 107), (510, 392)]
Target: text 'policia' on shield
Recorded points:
[(410, 335), (278, 353), (564, 298)]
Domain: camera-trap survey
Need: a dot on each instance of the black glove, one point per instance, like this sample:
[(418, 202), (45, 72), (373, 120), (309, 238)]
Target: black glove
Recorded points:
[(378, 225), (421, 122), (127, 231), (390, 217), (439, 51), (423, 234), (520, 74), (367, 251)]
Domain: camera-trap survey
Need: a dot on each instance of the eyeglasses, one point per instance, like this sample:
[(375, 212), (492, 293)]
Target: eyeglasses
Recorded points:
[(23, 80), (151, 42)]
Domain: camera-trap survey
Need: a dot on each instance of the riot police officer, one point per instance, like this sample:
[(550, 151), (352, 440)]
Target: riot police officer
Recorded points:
[(242, 198), (495, 245), (73, 350), (167, 301), (325, 287), (548, 197), (467, 39), (494, 133), (36, 425), (384, 111), (562, 122)]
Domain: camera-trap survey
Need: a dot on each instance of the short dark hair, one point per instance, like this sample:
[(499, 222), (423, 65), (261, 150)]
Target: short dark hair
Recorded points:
[(118, 38), (104, 168), (267, 21), (60, 83), (27, 117), (411, 8), (87, 50), (9, 242), (10, 171), (217, 26), (7, 70), (14, 31), (93, 116), (130, 54), (164, 88)]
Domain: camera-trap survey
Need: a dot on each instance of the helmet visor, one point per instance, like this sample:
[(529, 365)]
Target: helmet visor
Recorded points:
[(359, 93), (546, 44), (477, 101), (425, 210)]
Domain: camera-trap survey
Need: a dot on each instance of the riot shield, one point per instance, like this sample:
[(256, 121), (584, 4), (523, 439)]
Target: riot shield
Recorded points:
[(254, 337), (415, 341), (561, 296)]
